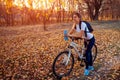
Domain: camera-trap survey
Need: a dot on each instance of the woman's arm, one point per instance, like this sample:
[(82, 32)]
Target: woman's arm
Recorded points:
[(72, 30), (78, 34)]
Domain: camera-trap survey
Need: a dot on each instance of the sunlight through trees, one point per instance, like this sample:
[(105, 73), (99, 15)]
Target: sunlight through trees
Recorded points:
[(19, 12)]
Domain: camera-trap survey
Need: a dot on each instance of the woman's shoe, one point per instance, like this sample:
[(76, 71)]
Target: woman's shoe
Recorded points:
[(90, 68), (86, 72)]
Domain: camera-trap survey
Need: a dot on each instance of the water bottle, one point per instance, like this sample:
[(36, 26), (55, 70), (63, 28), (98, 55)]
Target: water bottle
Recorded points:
[(65, 37)]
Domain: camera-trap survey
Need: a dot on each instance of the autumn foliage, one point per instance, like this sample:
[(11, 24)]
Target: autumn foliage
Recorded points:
[(26, 12), (27, 53)]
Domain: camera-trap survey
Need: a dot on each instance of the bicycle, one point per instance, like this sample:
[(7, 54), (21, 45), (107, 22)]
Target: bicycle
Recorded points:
[(64, 61)]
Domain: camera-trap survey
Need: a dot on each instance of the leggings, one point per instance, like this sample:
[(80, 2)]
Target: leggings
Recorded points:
[(88, 52)]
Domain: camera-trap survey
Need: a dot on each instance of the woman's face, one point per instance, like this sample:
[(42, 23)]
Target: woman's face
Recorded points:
[(76, 19)]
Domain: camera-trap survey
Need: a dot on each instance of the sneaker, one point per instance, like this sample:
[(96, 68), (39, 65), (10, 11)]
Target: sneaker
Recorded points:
[(90, 68), (86, 72)]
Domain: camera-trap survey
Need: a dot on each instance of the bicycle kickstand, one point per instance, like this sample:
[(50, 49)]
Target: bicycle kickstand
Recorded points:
[(59, 78)]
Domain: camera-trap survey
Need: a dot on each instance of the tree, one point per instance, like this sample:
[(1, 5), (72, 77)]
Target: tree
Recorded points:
[(8, 12), (46, 14), (93, 8), (110, 10)]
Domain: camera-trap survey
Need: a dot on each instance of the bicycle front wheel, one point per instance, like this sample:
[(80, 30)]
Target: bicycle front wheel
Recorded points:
[(63, 64)]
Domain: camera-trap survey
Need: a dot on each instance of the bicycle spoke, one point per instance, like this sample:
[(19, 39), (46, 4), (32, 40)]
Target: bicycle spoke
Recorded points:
[(63, 64)]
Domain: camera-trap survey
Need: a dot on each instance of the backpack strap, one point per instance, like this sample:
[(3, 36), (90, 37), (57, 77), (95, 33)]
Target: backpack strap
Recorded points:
[(85, 28), (85, 32), (79, 25)]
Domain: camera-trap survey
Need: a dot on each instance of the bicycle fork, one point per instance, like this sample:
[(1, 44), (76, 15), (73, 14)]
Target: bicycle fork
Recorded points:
[(68, 58)]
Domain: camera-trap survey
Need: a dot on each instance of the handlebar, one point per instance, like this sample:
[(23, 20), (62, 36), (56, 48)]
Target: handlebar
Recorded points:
[(73, 38)]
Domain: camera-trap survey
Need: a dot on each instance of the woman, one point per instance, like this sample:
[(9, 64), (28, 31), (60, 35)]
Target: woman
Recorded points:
[(83, 32)]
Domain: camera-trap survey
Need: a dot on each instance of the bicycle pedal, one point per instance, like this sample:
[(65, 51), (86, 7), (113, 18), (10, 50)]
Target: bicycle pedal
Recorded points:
[(82, 65), (78, 59)]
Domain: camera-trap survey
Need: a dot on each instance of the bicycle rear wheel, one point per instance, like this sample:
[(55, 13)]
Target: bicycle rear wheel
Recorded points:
[(63, 64), (94, 52)]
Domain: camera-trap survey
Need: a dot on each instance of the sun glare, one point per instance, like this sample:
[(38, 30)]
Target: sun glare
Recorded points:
[(34, 4), (18, 3)]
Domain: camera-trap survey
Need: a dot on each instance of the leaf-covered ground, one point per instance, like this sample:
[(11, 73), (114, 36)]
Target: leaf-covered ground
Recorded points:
[(27, 53)]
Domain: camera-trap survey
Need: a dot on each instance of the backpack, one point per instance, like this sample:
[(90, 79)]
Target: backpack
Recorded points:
[(88, 26)]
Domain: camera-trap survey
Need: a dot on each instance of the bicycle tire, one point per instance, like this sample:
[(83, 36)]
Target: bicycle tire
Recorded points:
[(55, 62), (95, 53)]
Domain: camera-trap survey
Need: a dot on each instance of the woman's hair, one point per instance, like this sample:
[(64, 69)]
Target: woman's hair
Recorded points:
[(77, 14)]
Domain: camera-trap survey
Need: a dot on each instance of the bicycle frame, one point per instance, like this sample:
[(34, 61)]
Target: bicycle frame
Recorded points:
[(75, 46), (66, 58)]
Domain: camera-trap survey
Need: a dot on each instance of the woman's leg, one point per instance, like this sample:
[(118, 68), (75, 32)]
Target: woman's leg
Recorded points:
[(89, 53)]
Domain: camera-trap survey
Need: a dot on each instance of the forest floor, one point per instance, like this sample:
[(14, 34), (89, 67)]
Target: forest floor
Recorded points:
[(27, 52)]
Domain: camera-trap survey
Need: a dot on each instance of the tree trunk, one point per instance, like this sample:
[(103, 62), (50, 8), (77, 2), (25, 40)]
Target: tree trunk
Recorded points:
[(96, 15)]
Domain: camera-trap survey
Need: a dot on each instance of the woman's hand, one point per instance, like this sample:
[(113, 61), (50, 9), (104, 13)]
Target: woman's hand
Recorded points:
[(69, 35)]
